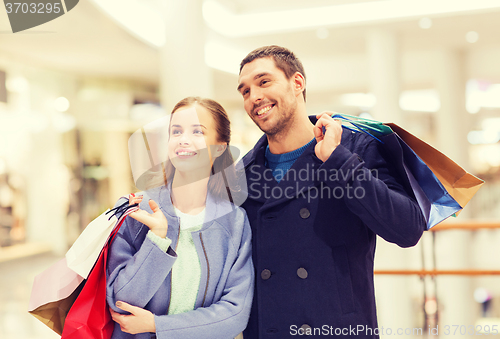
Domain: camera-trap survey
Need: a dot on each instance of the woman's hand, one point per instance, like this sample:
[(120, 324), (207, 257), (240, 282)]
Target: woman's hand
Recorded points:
[(156, 222), (138, 321)]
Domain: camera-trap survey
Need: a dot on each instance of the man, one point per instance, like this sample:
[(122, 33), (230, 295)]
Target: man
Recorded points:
[(318, 195)]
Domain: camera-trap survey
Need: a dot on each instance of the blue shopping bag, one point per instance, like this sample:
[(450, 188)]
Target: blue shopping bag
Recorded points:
[(435, 202)]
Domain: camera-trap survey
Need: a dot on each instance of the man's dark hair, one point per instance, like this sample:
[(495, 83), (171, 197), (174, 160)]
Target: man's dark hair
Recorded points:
[(284, 59)]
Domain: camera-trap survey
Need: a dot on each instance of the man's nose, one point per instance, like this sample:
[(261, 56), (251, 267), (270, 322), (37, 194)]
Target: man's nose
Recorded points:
[(256, 95)]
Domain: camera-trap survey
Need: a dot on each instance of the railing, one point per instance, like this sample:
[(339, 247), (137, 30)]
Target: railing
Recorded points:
[(467, 226)]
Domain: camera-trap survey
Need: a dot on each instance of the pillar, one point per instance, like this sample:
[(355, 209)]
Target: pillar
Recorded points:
[(452, 120), (454, 247), (384, 64), (183, 71), (394, 297)]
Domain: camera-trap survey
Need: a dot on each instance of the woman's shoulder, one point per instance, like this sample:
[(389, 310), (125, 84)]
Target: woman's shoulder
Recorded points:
[(232, 217)]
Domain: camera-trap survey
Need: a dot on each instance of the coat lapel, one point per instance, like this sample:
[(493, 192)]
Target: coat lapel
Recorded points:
[(297, 181)]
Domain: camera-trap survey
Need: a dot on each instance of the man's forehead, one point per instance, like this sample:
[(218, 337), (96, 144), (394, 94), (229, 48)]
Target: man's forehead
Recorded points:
[(258, 66)]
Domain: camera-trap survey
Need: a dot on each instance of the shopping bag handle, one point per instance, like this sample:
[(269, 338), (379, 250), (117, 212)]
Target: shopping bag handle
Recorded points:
[(120, 210), (360, 127)]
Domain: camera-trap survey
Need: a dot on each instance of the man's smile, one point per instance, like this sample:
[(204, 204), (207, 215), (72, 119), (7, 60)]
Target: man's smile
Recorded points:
[(263, 111)]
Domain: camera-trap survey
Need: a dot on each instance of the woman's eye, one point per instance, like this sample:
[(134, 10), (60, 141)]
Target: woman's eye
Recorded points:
[(198, 131), (176, 132)]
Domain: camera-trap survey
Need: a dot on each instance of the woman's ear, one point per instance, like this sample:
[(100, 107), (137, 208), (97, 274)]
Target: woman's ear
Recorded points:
[(219, 149)]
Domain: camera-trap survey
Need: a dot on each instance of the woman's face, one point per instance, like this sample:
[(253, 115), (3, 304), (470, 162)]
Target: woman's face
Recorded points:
[(192, 139)]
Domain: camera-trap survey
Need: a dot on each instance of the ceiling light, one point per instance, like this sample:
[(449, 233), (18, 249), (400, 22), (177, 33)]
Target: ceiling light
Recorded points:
[(61, 104), (471, 37), (425, 23), (426, 100), (322, 33), (366, 100), (17, 84)]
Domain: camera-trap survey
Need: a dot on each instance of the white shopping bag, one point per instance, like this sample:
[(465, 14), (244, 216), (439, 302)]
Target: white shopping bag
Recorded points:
[(82, 256)]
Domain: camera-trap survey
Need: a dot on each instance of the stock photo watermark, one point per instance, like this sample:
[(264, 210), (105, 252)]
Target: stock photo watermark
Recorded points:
[(363, 330), (26, 14), (259, 185)]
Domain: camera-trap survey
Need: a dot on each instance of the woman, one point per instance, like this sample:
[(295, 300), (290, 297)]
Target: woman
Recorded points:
[(185, 270)]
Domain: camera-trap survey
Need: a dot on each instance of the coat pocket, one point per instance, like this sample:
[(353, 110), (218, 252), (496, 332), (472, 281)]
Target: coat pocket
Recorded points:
[(344, 282)]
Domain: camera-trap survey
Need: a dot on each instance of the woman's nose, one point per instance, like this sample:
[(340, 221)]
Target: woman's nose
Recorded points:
[(184, 139)]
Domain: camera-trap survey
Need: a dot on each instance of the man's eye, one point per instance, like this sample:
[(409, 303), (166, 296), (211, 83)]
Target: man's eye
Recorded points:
[(245, 92), (263, 82)]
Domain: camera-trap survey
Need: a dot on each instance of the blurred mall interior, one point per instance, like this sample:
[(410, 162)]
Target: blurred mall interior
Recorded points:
[(73, 90)]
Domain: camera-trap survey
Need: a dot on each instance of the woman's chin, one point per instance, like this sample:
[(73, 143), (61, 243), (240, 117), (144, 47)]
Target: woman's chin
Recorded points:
[(195, 171)]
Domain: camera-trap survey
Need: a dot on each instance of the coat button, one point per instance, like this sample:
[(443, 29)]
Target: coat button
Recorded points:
[(304, 213), (306, 329), (265, 274), (302, 273)]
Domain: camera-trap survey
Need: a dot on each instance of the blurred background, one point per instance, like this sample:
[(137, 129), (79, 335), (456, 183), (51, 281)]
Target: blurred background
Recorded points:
[(73, 90)]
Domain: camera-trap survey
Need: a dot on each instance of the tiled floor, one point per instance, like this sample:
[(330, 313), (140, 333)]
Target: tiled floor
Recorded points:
[(16, 279)]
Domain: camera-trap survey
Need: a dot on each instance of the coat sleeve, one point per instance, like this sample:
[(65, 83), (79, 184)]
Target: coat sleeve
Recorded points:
[(225, 318), (373, 192), (129, 269)]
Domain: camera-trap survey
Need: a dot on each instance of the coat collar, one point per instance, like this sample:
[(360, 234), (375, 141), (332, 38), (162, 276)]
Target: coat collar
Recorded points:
[(214, 208), (262, 186)]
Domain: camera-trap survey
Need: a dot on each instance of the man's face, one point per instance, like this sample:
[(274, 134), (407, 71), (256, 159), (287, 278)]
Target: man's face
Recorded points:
[(268, 95)]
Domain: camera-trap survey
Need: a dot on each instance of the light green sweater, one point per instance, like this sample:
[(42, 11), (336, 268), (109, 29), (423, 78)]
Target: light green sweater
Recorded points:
[(186, 271)]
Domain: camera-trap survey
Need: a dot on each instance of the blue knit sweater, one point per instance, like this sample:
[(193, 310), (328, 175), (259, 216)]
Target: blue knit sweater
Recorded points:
[(281, 163)]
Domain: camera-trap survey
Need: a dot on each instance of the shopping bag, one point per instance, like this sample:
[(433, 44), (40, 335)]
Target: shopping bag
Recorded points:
[(54, 291), (442, 188), (461, 184), (434, 200), (82, 256), (89, 317)]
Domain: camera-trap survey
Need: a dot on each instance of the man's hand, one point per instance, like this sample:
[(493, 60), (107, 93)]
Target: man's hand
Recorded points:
[(328, 141), (156, 222), (138, 321)]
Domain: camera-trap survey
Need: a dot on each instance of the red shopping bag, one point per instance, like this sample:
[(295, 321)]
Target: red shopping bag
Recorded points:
[(89, 316)]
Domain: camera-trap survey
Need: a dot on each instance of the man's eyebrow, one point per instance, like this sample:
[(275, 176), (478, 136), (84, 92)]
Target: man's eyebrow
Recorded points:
[(260, 75)]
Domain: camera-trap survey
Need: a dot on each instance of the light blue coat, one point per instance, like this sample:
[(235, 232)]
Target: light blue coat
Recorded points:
[(138, 272)]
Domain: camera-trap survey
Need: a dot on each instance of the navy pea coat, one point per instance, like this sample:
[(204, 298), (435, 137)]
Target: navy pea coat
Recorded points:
[(314, 237)]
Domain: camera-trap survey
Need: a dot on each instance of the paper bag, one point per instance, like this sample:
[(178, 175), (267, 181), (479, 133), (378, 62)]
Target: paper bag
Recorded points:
[(82, 256), (458, 182), (54, 291)]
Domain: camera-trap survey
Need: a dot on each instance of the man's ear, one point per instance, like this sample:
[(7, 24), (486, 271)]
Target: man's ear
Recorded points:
[(299, 83)]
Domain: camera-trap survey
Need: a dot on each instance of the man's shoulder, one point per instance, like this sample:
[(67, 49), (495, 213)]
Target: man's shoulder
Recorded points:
[(354, 141), (249, 158)]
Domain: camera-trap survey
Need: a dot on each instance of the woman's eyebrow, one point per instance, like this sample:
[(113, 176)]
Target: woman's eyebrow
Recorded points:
[(193, 125)]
